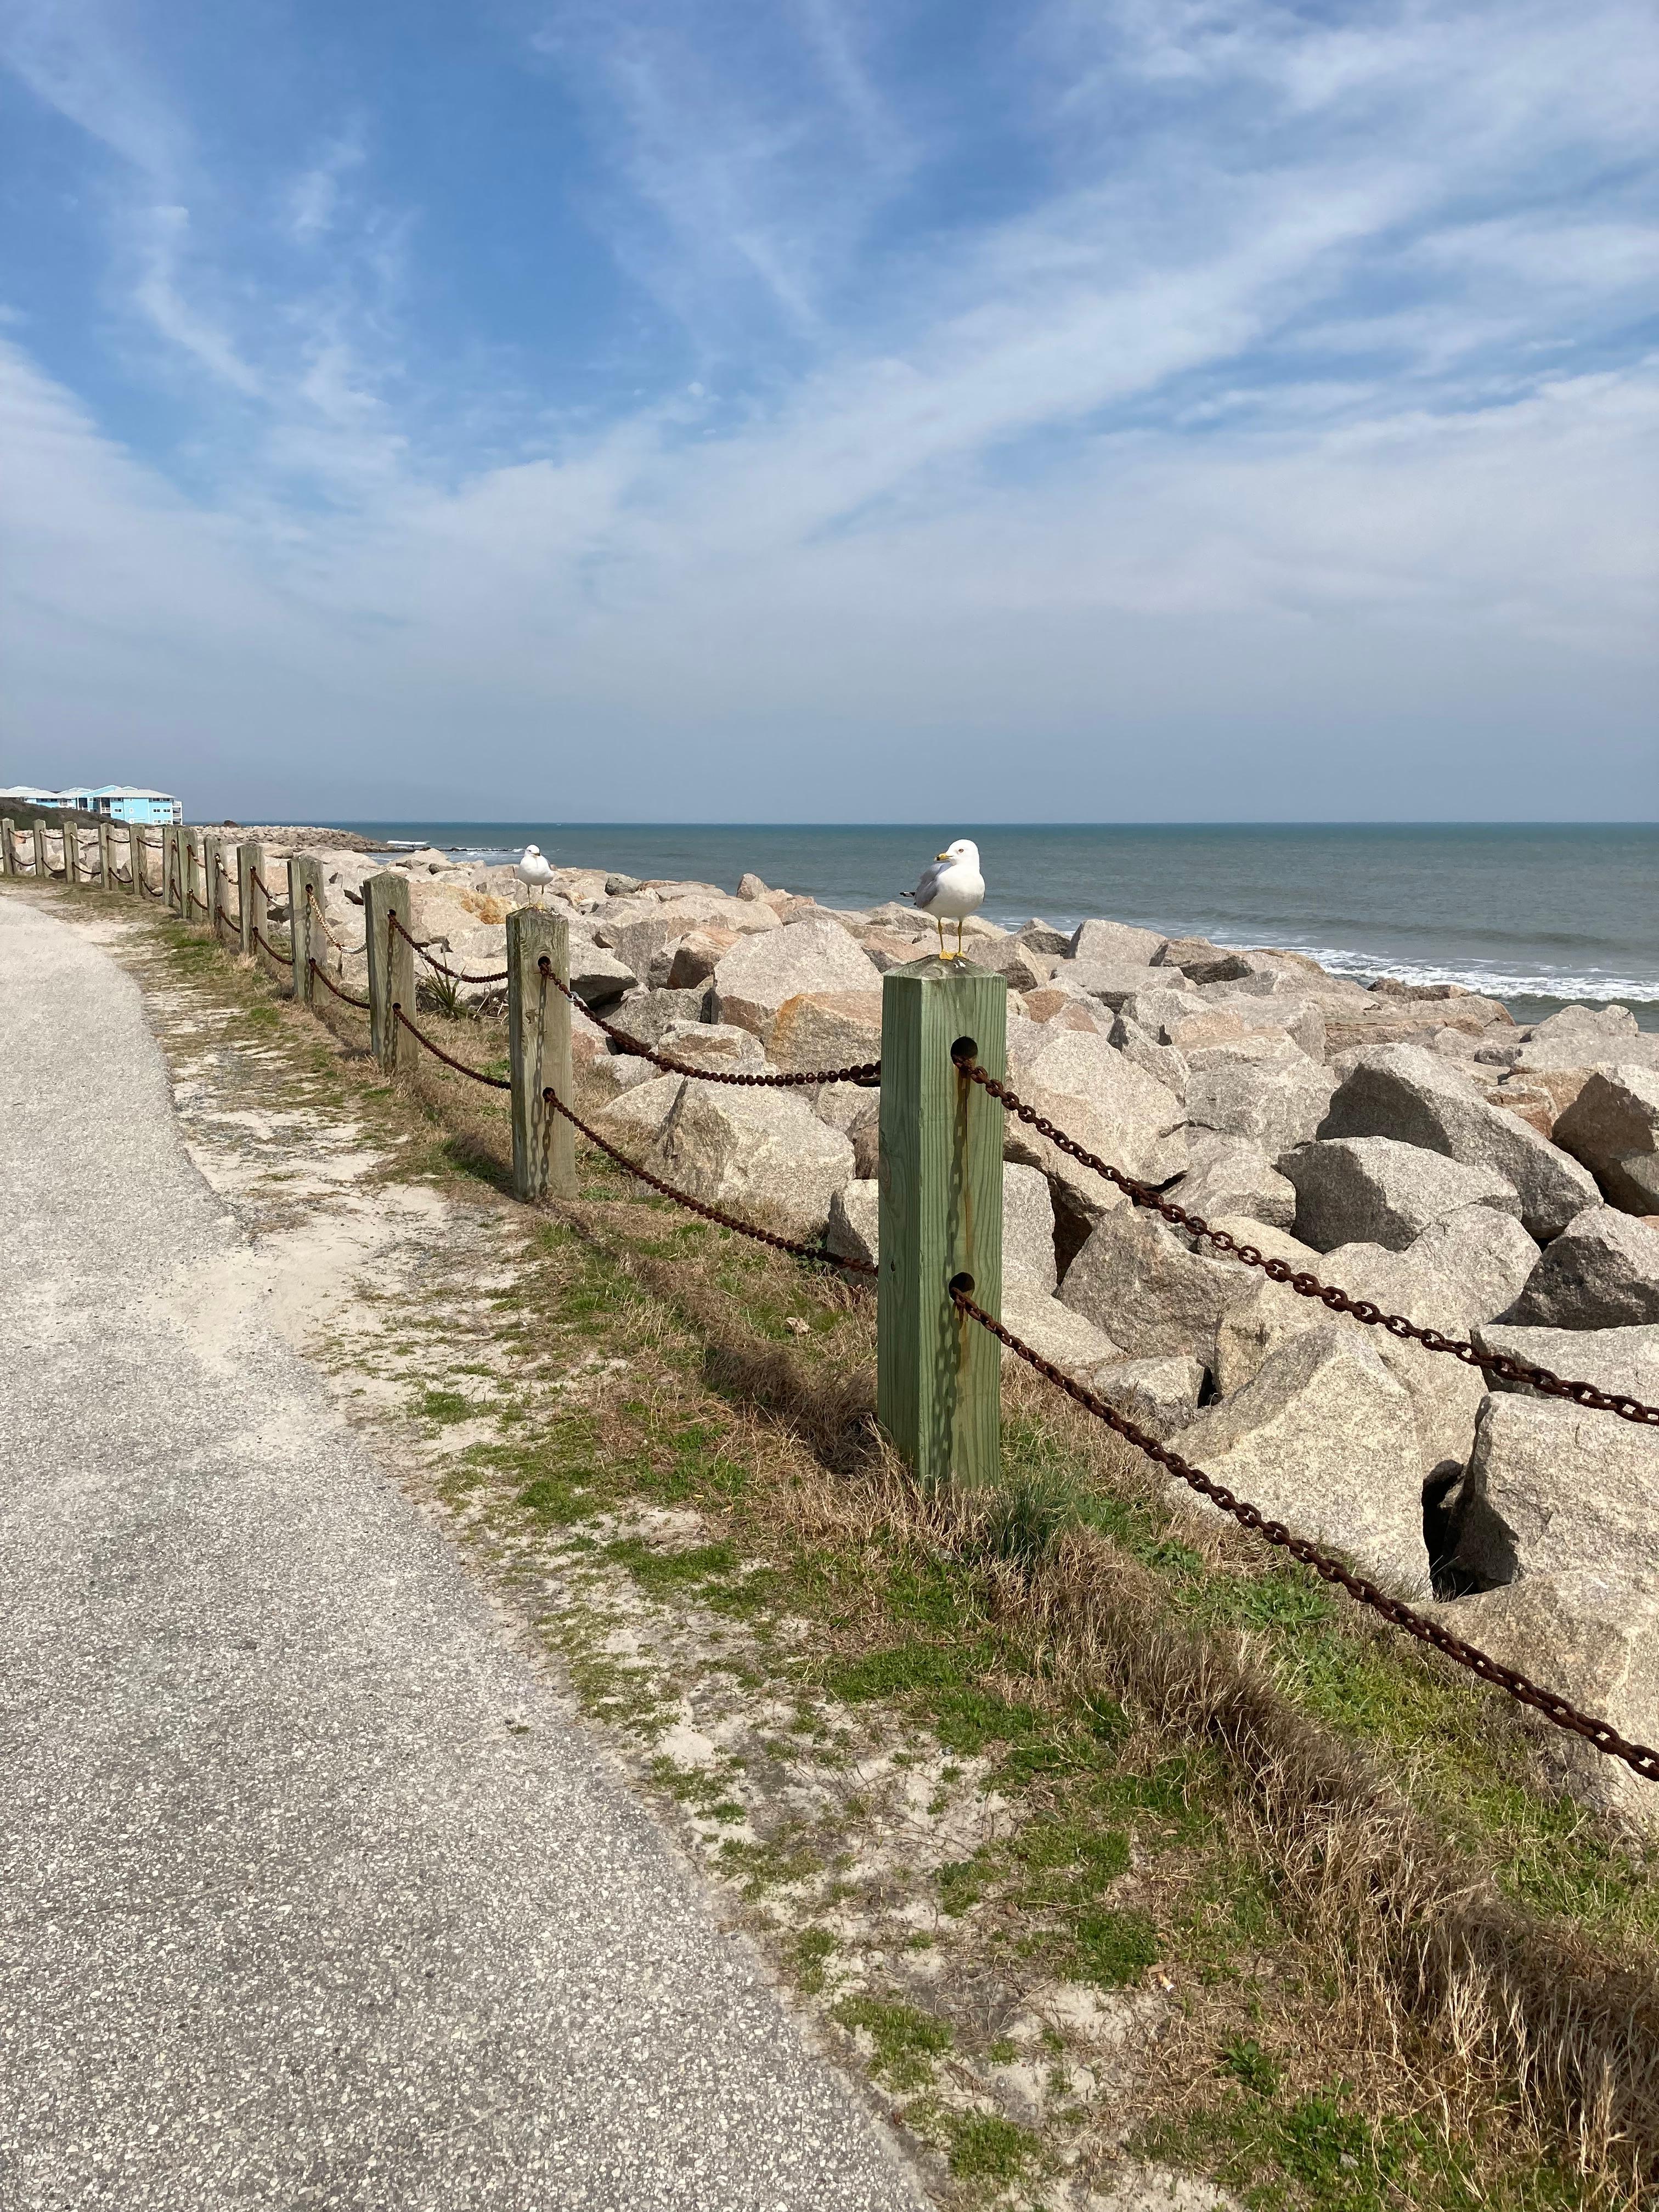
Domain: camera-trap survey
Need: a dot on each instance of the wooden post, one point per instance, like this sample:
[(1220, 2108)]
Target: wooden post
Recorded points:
[(138, 859), (71, 851), (42, 869), (391, 968), (213, 880), (171, 861), (250, 863), (305, 882), (939, 1391), (8, 849), (105, 864), (538, 1041)]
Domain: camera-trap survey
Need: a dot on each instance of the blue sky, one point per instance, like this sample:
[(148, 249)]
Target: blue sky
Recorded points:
[(1147, 409)]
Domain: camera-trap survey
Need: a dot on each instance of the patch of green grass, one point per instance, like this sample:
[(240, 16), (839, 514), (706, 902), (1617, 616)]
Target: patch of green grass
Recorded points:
[(555, 1501), (905, 2041), (984, 2148), (1111, 1950), (446, 1407), (1250, 2066), (814, 1947)]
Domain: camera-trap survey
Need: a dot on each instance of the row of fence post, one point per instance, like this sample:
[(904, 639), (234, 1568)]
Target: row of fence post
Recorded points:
[(939, 1375)]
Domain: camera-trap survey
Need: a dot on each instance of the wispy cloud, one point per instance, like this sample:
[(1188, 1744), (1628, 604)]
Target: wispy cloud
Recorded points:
[(1173, 369)]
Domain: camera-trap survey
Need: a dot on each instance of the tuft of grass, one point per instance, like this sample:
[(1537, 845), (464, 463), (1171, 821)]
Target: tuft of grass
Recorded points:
[(985, 2148), (905, 2041)]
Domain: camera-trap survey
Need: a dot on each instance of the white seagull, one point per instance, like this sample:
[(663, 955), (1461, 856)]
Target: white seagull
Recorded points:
[(950, 890), (534, 873)]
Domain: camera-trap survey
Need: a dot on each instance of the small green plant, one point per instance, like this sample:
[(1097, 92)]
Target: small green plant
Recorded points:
[(985, 2148), (1250, 2066), (814, 1947), (905, 2041)]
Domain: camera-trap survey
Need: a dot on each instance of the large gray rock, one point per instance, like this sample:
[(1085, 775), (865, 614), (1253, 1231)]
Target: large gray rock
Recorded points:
[(1612, 1126), (1109, 1105), (648, 1014), (1622, 1362), (1276, 1102), (1322, 1437), (857, 1113), (1162, 1011), (1058, 1333), (1233, 1175), (813, 955), (1111, 981), (1601, 1271), (1161, 1061), (1160, 1396), (1399, 1090), (1553, 1488), (1116, 941), (1302, 1019), (721, 1046), (1445, 1395), (762, 1155), (1373, 1190), (1593, 1638), (826, 1030), (1484, 1256), (1028, 1230), (1598, 1025), (1017, 959), (597, 976), (1159, 1292), (1201, 962)]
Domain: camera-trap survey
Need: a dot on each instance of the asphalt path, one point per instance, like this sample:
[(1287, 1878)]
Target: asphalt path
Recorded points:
[(290, 1915)]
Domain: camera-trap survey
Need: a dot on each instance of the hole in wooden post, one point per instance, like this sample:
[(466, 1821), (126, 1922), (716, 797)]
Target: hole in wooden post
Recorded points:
[(963, 1283), (965, 1051)]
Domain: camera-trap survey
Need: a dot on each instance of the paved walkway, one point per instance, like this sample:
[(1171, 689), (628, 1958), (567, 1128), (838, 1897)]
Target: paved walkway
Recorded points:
[(288, 1916)]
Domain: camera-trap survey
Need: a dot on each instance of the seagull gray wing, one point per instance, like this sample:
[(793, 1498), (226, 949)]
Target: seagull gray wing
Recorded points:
[(932, 876)]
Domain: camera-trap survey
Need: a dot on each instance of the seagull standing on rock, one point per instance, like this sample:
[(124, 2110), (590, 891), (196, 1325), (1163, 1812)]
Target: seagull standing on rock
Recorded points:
[(534, 873), (950, 890)]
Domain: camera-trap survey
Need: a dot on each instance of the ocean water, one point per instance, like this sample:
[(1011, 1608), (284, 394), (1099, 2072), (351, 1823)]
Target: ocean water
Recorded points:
[(1533, 915)]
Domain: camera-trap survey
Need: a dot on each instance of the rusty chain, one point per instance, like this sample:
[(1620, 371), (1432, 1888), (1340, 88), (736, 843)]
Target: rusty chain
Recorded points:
[(496, 1082), (1507, 1369), (328, 983), (550, 1098), (1639, 1757), (284, 959), (424, 948), (345, 951), (866, 1075)]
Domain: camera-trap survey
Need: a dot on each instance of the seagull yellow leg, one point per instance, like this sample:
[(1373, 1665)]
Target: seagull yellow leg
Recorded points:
[(939, 924), (958, 937)]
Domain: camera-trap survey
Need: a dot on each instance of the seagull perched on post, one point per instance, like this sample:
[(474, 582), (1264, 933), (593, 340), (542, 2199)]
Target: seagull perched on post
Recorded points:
[(534, 873), (950, 890)]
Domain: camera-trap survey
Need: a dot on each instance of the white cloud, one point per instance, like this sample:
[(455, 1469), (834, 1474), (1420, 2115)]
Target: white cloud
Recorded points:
[(1278, 422)]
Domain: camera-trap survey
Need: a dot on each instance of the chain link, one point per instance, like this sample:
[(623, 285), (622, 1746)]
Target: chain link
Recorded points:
[(345, 951), (1305, 1286), (496, 1082), (867, 1075), (424, 948), (1639, 1757), (695, 1204), (328, 983)]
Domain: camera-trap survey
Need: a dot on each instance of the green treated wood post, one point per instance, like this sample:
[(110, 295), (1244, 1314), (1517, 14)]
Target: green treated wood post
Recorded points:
[(105, 864), (304, 883), (539, 1043), (250, 863), (8, 849), (390, 968), (939, 1391), (138, 859)]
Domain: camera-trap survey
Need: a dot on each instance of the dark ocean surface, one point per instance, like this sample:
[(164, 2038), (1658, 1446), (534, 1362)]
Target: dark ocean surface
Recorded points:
[(1533, 915)]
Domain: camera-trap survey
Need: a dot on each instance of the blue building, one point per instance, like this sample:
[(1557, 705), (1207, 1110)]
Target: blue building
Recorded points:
[(121, 802)]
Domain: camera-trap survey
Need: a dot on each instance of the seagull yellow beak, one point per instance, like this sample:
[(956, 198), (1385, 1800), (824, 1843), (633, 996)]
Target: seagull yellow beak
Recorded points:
[(941, 856)]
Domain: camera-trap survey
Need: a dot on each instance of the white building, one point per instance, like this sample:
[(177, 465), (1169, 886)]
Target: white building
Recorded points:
[(121, 802)]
